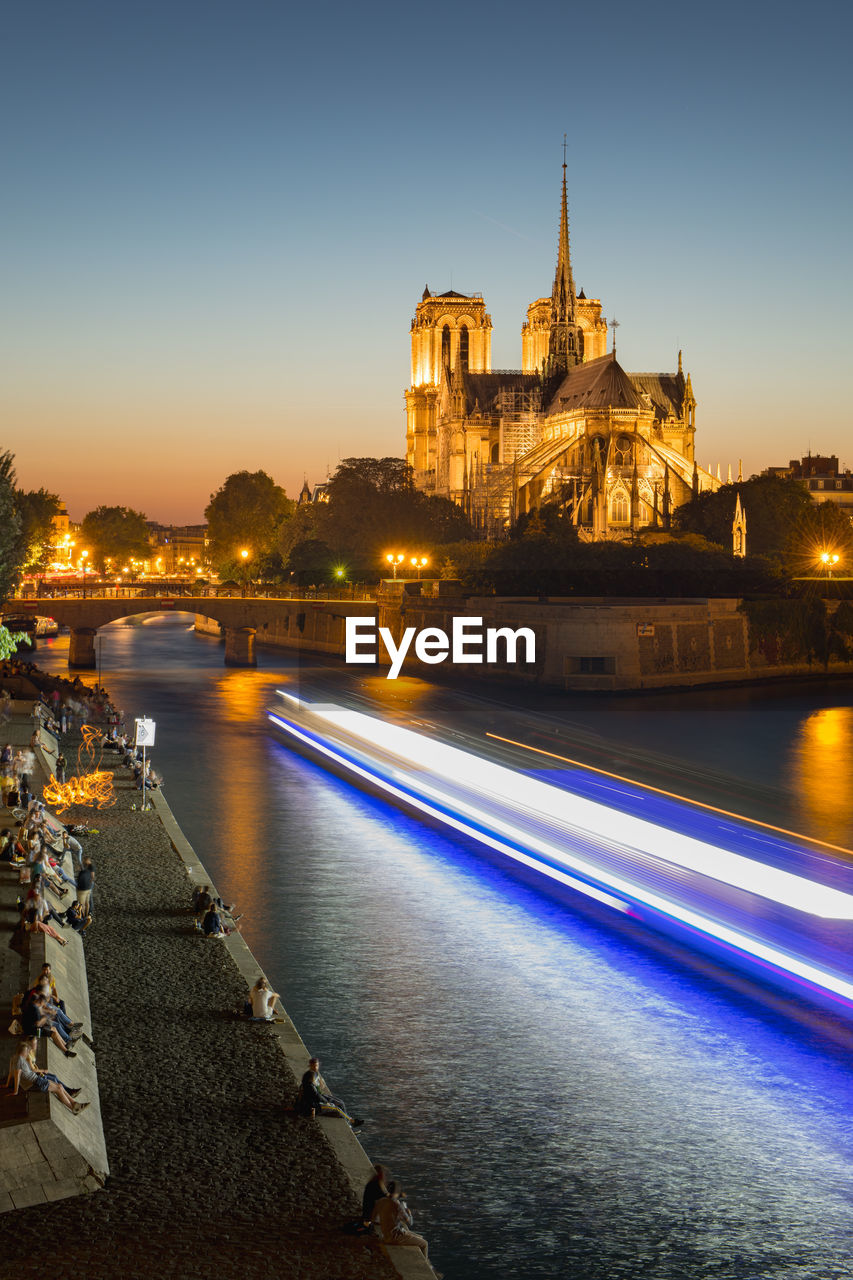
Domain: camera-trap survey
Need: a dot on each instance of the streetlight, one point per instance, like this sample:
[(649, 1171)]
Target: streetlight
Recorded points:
[(420, 562), (395, 559), (829, 559), (83, 556), (244, 556)]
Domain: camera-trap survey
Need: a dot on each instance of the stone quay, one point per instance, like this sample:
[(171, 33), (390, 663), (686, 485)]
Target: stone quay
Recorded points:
[(210, 1170)]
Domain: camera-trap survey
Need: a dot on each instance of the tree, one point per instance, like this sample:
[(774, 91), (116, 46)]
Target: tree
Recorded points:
[(10, 527), (822, 528), (116, 533), (374, 508), (246, 513), (36, 510), (772, 506), (311, 562)]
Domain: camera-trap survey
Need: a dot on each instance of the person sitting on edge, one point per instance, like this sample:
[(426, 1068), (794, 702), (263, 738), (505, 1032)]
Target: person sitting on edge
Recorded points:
[(60, 1019), (374, 1190), (262, 1000), (394, 1218), (46, 975), (24, 1074), (35, 1018), (323, 1088), (310, 1101), (75, 918), (212, 926), (201, 899)]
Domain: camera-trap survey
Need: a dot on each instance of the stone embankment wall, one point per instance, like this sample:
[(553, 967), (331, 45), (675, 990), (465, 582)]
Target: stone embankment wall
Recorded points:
[(46, 1154), (593, 643)]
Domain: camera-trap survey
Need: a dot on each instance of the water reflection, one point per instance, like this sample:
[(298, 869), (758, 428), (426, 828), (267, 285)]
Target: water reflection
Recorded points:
[(822, 771), (560, 1101)]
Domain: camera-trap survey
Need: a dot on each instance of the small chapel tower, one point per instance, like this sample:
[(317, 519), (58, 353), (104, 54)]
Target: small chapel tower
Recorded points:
[(739, 530)]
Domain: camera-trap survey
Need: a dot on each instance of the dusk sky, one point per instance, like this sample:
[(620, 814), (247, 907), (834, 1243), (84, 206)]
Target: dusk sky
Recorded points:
[(219, 218)]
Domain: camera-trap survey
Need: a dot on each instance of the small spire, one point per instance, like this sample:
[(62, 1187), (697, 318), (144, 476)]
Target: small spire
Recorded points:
[(614, 325), (730, 474), (719, 477), (427, 293), (740, 471), (680, 370)]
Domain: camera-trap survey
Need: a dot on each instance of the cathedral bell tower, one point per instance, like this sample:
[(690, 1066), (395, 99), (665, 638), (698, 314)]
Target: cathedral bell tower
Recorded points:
[(451, 334), (565, 341)]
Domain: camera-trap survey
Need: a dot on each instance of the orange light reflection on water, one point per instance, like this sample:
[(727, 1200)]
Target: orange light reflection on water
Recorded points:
[(822, 772), (242, 696)]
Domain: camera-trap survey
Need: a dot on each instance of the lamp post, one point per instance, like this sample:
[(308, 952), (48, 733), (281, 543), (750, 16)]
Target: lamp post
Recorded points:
[(244, 556), (395, 559), (83, 557), (829, 559), (420, 562)]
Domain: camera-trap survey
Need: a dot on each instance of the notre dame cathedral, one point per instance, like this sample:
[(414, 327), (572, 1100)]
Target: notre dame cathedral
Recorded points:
[(614, 449)]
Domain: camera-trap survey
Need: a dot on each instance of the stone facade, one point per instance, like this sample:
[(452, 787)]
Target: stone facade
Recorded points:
[(571, 426)]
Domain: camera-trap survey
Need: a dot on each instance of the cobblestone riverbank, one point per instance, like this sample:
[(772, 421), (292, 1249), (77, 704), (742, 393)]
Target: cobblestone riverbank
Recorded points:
[(212, 1174)]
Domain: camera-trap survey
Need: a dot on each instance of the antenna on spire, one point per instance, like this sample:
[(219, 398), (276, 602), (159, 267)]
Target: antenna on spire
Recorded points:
[(565, 136), (614, 325)]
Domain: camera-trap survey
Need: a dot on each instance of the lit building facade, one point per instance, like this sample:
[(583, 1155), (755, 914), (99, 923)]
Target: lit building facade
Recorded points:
[(570, 426)]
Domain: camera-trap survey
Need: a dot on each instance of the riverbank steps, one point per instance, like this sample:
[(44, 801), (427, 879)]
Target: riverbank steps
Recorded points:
[(46, 1154), (212, 1173)]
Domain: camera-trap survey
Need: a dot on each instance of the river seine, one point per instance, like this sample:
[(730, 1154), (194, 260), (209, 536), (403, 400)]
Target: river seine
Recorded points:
[(558, 1099)]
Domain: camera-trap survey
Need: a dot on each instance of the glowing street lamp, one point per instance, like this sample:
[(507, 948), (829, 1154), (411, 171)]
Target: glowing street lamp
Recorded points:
[(394, 559), (420, 562), (829, 559)]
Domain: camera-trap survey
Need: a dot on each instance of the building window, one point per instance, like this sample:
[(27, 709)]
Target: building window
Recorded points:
[(463, 346), (619, 509), (622, 457), (445, 344)]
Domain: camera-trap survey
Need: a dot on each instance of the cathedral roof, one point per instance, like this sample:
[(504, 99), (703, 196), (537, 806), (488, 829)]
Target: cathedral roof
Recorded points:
[(666, 391), (451, 293), (595, 384), (483, 388)]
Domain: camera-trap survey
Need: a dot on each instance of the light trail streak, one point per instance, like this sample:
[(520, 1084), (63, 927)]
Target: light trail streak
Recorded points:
[(673, 795), (451, 771)]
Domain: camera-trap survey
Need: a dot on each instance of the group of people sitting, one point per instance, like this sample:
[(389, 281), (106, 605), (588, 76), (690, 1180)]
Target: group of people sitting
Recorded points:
[(384, 1210), (43, 1013), (39, 849), (212, 917)]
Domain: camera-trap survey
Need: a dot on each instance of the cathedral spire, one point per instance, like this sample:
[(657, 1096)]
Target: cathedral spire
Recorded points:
[(564, 347)]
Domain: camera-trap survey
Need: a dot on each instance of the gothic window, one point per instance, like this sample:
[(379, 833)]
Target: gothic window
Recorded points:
[(622, 456), (619, 509), (496, 452), (463, 346), (445, 344)]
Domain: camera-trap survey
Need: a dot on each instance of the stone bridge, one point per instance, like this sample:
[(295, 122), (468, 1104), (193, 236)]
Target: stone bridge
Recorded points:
[(240, 618)]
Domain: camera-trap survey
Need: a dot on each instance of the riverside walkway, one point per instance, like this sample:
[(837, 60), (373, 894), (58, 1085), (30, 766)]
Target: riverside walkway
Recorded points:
[(211, 1174)]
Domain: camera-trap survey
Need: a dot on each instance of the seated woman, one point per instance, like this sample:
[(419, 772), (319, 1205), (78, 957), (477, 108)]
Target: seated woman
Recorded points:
[(262, 1000), (212, 925), (24, 1074), (32, 924)]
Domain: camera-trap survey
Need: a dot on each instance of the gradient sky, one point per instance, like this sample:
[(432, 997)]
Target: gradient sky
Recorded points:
[(219, 218)]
